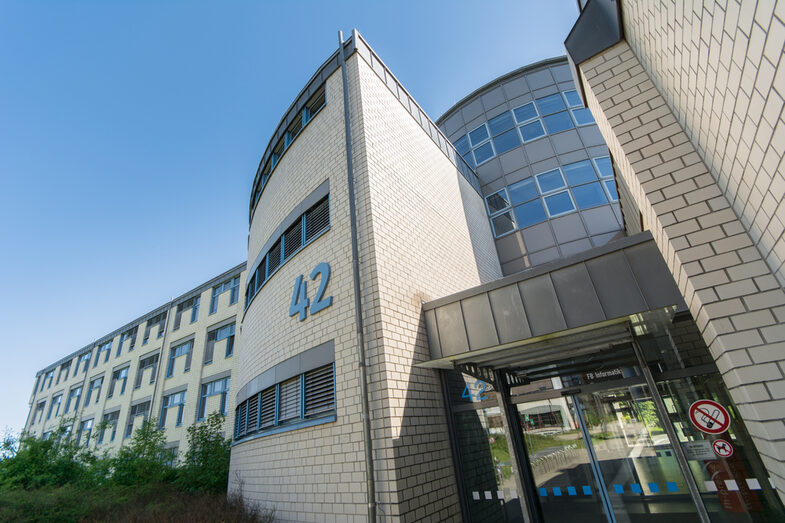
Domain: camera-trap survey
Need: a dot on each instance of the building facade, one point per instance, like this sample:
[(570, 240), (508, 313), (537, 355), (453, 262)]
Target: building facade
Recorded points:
[(174, 363), (561, 300)]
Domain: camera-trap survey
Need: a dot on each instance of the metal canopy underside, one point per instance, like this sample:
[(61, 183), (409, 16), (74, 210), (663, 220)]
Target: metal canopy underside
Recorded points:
[(578, 305)]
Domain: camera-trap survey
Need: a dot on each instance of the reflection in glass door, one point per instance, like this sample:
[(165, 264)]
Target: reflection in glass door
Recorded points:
[(559, 461), (635, 457)]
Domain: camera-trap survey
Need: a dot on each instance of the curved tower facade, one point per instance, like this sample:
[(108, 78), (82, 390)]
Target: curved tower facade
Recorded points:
[(330, 405), (542, 164)]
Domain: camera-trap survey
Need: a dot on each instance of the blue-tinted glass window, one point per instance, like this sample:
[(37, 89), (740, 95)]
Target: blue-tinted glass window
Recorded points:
[(579, 172), (478, 135), (523, 191), (462, 145), (525, 113), (505, 142), (582, 116), (550, 104), (558, 122), (559, 203), (500, 123), (530, 213), (589, 195), (573, 100), (550, 181), (603, 164), (497, 201), (611, 186), (483, 153), (532, 131), (503, 224), (470, 160)]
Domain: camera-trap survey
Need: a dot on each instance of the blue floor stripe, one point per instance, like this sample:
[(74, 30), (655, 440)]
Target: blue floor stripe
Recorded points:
[(654, 487), (618, 489), (571, 491), (543, 492), (636, 488), (672, 487), (557, 491), (587, 490)]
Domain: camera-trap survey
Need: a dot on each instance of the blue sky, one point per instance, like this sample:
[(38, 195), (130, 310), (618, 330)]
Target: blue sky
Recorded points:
[(130, 133)]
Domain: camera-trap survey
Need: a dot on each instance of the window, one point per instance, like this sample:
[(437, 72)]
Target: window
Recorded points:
[(233, 286), (120, 375), (84, 361), (589, 195), (63, 374), (604, 167), (530, 213), (550, 104), (559, 203), (94, 388), (310, 395), (531, 131), (106, 347), (498, 205), (610, 186), (170, 456), (481, 144), (556, 123), (184, 349), (55, 406), (582, 116), (579, 173), (156, 321), (39, 411), (505, 137), (550, 181), (310, 225), (191, 304), (151, 363), (109, 422), (572, 98), (73, 397), (48, 377), (85, 430), (214, 388), (525, 113), (171, 401), (139, 410), (130, 336), (216, 335)]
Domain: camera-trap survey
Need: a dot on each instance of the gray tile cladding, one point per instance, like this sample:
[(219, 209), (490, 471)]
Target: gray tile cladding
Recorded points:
[(560, 236)]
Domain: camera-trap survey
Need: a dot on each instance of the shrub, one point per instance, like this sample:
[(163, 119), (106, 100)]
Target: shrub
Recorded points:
[(143, 461), (206, 463)]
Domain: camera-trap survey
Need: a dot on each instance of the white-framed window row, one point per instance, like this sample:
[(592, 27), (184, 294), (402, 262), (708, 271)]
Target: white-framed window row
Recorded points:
[(556, 113), (571, 187)]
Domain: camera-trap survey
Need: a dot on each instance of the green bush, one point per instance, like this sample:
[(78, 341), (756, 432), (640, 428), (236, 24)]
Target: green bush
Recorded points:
[(144, 460), (206, 464)]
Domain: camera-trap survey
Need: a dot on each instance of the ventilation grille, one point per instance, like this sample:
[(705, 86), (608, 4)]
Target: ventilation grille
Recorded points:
[(319, 391), (253, 414), (293, 238), (290, 400), (268, 407), (317, 219)]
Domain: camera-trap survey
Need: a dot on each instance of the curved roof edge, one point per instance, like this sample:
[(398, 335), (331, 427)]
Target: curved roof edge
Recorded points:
[(506, 76)]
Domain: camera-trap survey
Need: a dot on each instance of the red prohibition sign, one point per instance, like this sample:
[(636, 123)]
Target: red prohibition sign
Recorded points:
[(709, 416), (722, 448)]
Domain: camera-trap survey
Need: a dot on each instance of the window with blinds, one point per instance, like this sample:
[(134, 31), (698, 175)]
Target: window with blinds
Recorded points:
[(310, 395), (307, 227)]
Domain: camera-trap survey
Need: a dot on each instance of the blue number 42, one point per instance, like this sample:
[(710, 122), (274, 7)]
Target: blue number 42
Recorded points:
[(478, 394)]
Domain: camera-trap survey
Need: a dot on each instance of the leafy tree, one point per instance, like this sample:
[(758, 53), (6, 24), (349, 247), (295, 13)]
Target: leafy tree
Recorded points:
[(206, 463), (143, 461)]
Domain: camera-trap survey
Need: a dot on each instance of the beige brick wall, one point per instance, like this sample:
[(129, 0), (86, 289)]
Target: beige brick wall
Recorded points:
[(737, 302), (717, 65), (415, 241), (424, 235)]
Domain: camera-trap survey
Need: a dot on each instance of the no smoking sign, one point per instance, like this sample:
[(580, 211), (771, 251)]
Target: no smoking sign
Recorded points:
[(709, 416)]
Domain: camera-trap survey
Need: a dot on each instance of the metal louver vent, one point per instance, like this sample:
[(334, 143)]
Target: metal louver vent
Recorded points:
[(317, 219), (274, 257), (293, 238), (241, 416), (319, 390), (268, 408), (289, 400), (253, 414)]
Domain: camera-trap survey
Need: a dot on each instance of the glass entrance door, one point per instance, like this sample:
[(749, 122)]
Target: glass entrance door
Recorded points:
[(560, 462), (635, 456), (605, 456)]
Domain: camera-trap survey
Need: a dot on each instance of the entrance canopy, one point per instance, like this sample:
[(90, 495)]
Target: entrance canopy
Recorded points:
[(546, 312)]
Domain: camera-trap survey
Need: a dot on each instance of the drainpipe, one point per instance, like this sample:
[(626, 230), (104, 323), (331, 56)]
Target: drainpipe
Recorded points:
[(358, 315)]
